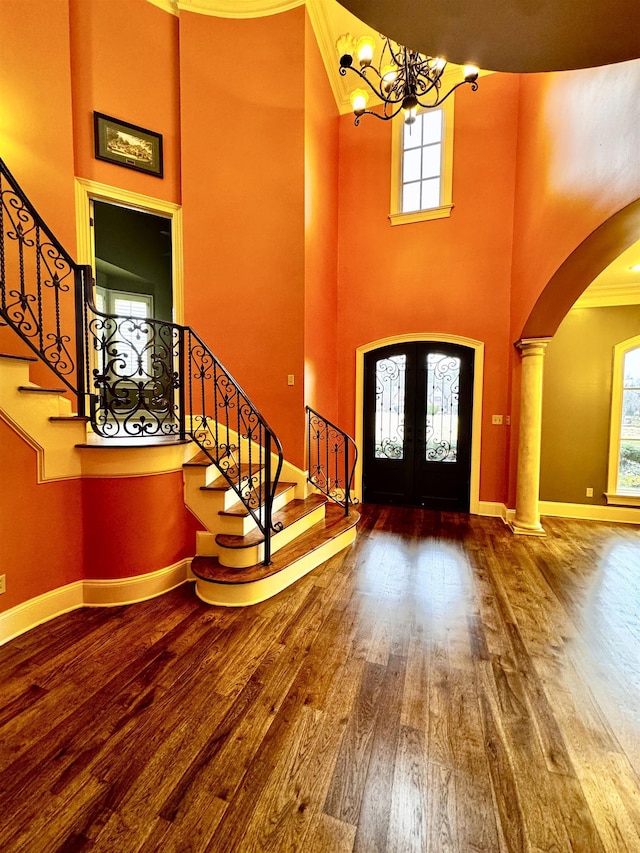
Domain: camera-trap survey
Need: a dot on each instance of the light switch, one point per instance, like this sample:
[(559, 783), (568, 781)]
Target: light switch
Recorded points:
[(290, 379)]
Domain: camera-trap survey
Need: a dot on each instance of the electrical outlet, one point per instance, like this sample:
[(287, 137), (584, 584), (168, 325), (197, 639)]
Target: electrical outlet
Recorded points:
[(589, 492), (3, 584), (496, 419)]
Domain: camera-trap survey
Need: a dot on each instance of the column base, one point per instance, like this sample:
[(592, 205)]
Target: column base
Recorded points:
[(526, 529)]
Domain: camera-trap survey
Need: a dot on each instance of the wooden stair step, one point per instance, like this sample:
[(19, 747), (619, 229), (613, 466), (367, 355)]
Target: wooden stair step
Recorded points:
[(239, 510), (200, 460), (73, 418), (292, 512), (100, 443), (35, 389), (334, 523), (17, 357)]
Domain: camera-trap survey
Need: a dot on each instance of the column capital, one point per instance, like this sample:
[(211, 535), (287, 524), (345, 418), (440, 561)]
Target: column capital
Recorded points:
[(532, 346)]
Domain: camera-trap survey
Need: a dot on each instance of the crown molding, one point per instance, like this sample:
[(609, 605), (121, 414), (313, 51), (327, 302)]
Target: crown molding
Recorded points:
[(326, 44), (237, 8), (166, 5), (609, 295), (228, 8)]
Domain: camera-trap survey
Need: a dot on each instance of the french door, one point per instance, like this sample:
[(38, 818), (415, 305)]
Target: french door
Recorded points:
[(418, 405)]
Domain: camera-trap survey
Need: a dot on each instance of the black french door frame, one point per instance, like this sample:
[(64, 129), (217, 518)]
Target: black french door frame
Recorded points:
[(421, 456)]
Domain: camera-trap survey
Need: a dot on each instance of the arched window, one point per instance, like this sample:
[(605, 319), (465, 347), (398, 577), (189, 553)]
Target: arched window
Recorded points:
[(623, 486)]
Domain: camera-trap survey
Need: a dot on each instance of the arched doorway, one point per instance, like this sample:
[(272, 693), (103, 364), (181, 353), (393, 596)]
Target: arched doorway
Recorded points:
[(418, 348), (570, 280)]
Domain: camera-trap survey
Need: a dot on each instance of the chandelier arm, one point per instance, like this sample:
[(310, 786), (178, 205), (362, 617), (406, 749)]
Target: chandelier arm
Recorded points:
[(385, 117), (398, 58), (376, 91), (439, 100)]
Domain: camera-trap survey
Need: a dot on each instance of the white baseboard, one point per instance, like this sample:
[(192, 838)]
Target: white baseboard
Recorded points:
[(110, 593), (40, 609), (591, 512), (90, 593)]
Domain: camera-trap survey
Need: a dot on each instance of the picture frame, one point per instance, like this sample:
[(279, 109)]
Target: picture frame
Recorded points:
[(128, 145)]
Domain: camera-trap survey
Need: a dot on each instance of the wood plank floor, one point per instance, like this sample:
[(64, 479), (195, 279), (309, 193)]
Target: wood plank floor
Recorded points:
[(440, 686)]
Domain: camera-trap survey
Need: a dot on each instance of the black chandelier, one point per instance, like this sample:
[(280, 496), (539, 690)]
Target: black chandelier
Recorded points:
[(403, 79)]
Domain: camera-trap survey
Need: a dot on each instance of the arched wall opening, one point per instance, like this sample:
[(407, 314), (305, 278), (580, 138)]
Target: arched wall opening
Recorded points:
[(574, 427), (581, 267)]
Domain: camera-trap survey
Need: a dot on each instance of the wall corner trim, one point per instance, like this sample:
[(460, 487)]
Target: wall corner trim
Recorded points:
[(493, 509), (91, 593)]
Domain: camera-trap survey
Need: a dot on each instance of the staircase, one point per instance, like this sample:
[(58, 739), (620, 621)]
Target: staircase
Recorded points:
[(229, 565), (150, 383)]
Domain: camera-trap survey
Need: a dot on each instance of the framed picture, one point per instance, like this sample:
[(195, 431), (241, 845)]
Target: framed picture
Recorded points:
[(127, 145)]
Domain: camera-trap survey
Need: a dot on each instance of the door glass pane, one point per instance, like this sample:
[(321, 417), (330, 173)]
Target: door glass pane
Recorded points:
[(390, 395), (629, 460), (443, 384)]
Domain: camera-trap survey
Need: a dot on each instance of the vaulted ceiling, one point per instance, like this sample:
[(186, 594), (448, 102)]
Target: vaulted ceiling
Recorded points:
[(497, 35)]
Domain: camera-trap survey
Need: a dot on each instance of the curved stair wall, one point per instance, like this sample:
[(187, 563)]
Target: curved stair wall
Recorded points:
[(81, 525), (104, 524)]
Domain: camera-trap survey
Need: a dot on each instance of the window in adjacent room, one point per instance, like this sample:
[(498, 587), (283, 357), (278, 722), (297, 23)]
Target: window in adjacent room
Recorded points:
[(624, 448), (130, 346), (422, 166)]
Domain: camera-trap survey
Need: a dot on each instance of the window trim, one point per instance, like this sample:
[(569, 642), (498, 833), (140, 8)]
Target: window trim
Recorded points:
[(396, 217), (109, 296), (613, 495)]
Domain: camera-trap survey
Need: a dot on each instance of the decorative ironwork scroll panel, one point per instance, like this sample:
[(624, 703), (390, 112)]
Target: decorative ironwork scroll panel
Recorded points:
[(331, 459), (135, 377), (442, 393), (390, 379), (37, 282)]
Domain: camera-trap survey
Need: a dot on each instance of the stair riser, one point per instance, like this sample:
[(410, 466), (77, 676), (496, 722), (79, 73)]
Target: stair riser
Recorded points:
[(16, 372), (240, 558), (243, 594), (206, 545), (237, 525)]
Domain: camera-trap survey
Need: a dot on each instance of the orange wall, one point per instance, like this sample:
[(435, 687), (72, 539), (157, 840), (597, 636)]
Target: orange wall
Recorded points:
[(243, 197), (577, 165), (321, 234), (36, 138), (40, 525), (56, 533), (444, 276), (125, 63), (134, 525)]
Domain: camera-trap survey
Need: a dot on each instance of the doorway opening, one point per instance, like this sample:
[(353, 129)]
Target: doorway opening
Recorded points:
[(133, 262), (418, 404), (475, 505)]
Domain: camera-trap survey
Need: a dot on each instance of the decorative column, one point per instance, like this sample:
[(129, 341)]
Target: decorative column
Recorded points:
[(527, 517)]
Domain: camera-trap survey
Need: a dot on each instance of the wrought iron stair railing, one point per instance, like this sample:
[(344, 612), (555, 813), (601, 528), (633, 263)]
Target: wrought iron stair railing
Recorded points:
[(42, 289), (142, 377), (331, 459)]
